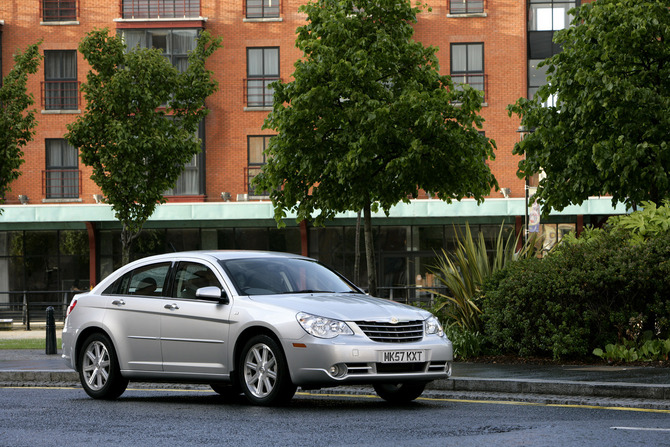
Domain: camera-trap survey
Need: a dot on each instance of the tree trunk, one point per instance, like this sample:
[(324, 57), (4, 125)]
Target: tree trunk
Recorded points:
[(370, 250), (127, 238), (357, 250)]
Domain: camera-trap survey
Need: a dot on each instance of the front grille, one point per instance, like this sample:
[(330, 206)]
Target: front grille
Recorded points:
[(403, 332)]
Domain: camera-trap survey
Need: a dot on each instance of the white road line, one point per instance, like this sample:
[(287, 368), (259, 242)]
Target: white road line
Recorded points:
[(640, 428)]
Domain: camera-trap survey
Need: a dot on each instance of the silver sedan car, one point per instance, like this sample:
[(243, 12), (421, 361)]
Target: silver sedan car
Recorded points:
[(254, 323)]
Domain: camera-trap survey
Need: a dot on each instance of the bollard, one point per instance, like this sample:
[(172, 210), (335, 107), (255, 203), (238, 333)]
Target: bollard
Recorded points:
[(51, 331)]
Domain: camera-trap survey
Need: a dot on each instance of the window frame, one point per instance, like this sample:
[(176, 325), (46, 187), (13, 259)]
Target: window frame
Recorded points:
[(255, 166), (61, 6), (61, 85), (263, 14), (64, 181), (265, 77), (468, 72), (467, 7)]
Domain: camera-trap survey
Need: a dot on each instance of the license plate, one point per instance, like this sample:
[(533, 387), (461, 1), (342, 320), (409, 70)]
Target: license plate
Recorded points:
[(402, 356)]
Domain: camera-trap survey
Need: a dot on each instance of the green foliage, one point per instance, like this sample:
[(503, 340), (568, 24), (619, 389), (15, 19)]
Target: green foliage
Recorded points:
[(464, 272), (608, 133), (138, 128), (467, 344), (17, 123), (579, 297), (368, 120), (649, 350), (643, 224)]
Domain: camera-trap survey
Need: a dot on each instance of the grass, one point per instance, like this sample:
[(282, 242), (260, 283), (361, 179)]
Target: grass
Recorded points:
[(25, 343)]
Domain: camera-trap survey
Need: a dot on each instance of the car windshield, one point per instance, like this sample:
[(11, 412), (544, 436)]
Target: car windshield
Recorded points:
[(273, 276)]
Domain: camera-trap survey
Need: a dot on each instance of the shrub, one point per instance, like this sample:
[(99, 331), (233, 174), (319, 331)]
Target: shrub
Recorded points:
[(579, 297)]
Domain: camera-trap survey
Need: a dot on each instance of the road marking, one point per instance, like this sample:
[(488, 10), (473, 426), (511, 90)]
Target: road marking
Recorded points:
[(427, 399), (496, 402), (640, 428)]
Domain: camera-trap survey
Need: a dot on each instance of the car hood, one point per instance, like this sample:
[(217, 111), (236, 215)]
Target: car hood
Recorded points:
[(344, 306)]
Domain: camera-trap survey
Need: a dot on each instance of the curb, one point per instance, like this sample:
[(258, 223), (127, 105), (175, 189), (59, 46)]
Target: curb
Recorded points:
[(563, 388), (477, 385)]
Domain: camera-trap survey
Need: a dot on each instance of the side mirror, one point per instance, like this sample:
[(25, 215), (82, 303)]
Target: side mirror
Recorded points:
[(212, 293)]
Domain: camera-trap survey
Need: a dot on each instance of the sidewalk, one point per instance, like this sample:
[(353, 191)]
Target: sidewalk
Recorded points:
[(590, 381)]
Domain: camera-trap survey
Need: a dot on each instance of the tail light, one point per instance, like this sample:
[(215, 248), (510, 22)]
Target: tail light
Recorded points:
[(73, 303)]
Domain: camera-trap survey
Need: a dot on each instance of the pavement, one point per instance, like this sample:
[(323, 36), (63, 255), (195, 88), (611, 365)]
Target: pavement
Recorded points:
[(597, 384)]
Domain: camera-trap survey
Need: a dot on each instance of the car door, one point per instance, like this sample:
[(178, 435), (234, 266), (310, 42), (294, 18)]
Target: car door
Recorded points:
[(194, 331), (133, 317)]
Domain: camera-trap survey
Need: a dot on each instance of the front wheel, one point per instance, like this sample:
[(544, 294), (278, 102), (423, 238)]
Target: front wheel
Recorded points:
[(99, 371), (401, 392), (264, 375)]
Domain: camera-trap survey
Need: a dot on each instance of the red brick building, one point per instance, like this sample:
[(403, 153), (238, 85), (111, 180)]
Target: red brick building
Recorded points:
[(493, 45)]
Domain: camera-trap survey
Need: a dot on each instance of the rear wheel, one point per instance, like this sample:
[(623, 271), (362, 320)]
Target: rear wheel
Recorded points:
[(400, 392), (265, 378), (99, 371)]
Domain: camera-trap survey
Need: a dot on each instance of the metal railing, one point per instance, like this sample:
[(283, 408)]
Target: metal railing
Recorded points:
[(257, 91), (31, 306), (466, 6), (262, 9), (61, 183), (475, 80), (160, 9), (60, 95), (411, 294), (60, 10)]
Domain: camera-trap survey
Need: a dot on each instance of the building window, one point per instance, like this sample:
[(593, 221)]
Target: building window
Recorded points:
[(60, 88), (467, 65), (62, 177), (262, 9), (466, 6), (59, 10), (262, 70), (175, 43), (160, 9), (256, 146), (549, 15), (537, 77)]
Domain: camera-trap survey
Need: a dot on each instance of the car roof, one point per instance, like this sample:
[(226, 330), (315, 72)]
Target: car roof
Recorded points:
[(223, 255)]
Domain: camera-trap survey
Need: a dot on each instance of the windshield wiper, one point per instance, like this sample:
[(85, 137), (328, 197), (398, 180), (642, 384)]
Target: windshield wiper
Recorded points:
[(308, 291)]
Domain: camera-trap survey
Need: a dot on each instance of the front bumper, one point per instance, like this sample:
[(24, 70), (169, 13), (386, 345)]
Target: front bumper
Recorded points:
[(351, 360)]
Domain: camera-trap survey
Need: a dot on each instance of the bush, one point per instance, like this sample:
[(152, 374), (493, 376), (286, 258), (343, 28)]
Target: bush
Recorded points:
[(579, 297)]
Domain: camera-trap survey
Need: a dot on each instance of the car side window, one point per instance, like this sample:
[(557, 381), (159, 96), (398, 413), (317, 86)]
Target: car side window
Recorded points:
[(191, 276), (148, 280)]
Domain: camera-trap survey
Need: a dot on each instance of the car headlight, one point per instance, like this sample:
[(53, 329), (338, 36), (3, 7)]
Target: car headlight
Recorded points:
[(433, 327), (323, 327)]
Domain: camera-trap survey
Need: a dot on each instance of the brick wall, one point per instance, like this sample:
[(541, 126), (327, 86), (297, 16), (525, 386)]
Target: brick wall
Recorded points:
[(502, 31)]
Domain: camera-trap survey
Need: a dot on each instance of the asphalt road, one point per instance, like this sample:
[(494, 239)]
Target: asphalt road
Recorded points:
[(67, 416)]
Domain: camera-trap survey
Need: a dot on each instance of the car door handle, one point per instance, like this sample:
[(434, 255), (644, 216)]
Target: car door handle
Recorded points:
[(118, 303), (172, 306)]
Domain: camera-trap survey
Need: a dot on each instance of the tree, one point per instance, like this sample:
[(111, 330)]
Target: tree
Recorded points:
[(608, 133), (16, 124), (368, 120), (139, 126)]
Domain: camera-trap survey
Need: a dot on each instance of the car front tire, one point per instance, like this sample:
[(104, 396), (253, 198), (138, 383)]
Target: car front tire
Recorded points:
[(99, 371), (264, 375), (401, 392)]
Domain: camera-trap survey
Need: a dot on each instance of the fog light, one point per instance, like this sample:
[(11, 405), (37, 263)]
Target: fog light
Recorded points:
[(338, 370), (447, 369)]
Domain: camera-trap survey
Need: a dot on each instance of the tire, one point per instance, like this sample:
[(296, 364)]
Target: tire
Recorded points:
[(401, 392), (99, 371), (264, 376)]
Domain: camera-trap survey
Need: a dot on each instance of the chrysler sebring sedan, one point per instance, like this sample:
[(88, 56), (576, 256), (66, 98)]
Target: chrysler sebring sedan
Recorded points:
[(254, 323)]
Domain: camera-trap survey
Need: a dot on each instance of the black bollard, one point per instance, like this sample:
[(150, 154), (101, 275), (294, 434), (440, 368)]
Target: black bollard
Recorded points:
[(51, 331)]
